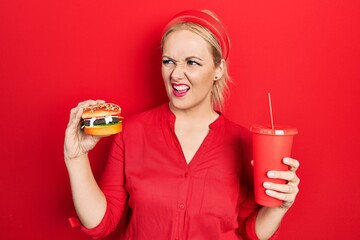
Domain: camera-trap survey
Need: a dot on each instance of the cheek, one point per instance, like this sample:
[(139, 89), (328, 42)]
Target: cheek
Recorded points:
[(205, 79), (165, 73), (166, 78)]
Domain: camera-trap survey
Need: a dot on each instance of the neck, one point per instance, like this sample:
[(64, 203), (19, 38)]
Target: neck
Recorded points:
[(195, 115)]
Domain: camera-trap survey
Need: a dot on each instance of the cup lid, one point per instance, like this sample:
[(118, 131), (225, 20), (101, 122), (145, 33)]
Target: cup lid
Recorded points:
[(278, 130)]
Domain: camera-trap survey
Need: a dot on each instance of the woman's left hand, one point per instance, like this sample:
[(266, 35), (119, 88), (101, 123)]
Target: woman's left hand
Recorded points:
[(285, 192)]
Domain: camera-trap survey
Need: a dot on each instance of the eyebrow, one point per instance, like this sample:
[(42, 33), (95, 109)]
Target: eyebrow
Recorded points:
[(193, 57), (188, 58)]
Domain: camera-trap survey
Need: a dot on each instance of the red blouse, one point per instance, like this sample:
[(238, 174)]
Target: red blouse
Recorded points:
[(155, 194)]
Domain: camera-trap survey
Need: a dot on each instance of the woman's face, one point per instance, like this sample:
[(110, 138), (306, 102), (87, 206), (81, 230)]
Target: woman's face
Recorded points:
[(188, 70)]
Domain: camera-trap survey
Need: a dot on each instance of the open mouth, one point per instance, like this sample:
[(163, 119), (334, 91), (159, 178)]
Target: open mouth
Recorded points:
[(180, 90)]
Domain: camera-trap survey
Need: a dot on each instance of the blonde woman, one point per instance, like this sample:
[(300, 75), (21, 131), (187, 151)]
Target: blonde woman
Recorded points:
[(181, 170)]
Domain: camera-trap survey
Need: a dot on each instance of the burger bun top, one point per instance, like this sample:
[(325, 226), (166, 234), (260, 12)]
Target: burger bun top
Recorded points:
[(101, 110)]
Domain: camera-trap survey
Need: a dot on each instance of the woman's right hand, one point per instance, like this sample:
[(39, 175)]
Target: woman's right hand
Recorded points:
[(77, 143)]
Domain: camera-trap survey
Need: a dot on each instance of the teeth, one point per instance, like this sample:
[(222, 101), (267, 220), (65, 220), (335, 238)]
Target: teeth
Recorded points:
[(181, 87)]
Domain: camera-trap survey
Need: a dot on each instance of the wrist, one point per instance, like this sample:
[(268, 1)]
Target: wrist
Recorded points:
[(276, 210), (77, 160), (268, 221)]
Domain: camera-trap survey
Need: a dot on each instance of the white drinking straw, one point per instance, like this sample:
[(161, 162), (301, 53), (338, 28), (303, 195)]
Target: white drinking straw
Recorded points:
[(271, 114)]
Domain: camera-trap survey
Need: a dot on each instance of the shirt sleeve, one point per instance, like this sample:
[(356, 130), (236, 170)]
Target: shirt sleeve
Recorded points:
[(247, 218), (113, 186)]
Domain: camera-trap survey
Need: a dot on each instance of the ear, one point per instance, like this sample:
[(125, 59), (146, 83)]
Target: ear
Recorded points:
[(219, 70)]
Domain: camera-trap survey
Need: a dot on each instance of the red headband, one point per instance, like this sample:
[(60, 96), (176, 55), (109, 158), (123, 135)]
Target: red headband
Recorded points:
[(207, 21)]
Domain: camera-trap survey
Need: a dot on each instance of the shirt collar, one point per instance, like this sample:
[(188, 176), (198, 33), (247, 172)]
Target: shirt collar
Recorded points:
[(171, 117)]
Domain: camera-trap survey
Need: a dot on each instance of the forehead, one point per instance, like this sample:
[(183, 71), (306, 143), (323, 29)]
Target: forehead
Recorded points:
[(186, 42)]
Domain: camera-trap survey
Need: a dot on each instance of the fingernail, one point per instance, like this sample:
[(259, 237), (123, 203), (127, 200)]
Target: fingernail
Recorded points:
[(267, 185), (286, 160), (271, 174), (268, 192)]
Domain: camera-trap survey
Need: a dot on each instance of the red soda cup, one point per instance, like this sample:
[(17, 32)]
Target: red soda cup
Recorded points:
[(270, 146)]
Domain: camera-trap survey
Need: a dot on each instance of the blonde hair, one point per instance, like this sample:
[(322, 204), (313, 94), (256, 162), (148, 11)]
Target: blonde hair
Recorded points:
[(220, 88)]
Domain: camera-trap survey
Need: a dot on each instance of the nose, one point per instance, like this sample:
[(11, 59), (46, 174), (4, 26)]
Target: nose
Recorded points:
[(178, 72)]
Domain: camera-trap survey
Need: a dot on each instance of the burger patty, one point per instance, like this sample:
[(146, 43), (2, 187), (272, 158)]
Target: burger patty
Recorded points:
[(100, 121)]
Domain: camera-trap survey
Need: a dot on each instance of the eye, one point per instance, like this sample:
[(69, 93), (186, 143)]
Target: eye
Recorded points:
[(167, 61), (192, 62)]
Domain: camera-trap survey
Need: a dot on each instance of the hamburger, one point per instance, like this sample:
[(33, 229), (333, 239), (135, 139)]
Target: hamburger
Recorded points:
[(102, 119)]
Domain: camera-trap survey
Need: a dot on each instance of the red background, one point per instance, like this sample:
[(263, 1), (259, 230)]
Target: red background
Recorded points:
[(54, 54)]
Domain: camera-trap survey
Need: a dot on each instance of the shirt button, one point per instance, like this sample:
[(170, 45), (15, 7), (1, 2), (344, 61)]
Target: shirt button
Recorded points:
[(181, 206)]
